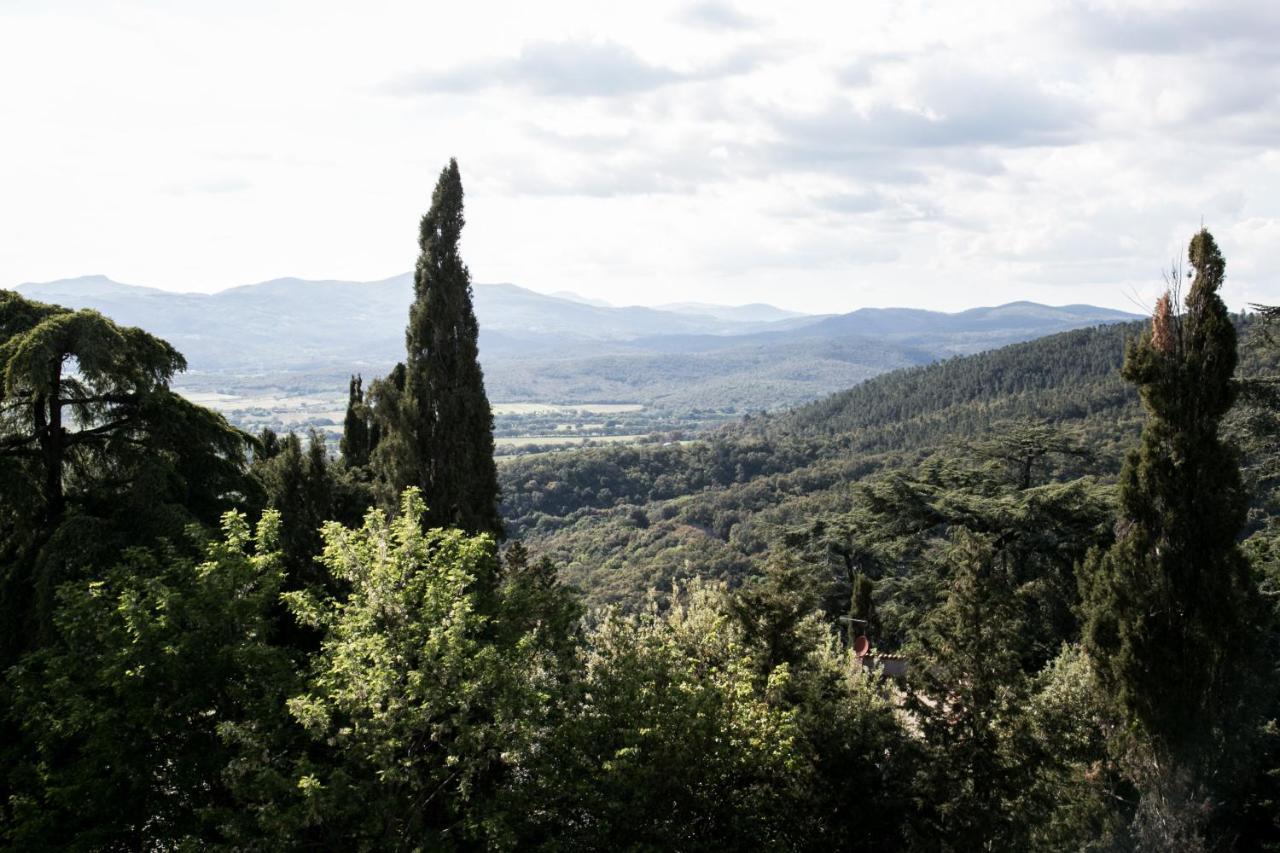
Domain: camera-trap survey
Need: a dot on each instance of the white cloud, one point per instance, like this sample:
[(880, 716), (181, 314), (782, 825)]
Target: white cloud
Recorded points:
[(837, 156)]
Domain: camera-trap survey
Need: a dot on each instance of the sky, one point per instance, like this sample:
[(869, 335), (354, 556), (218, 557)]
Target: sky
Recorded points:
[(817, 156)]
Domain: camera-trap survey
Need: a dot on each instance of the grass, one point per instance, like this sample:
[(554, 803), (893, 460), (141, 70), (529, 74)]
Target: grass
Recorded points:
[(557, 408)]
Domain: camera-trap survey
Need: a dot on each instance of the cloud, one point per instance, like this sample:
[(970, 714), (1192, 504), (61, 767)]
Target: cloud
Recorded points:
[(572, 69), (215, 186), (604, 180), (957, 122), (602, 168), (811, 251), (718, 16), (851, 202), (860, 71), (1251, 29), (890, 210)]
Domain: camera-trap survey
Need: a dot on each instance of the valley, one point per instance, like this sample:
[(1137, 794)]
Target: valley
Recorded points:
[(559, 371)]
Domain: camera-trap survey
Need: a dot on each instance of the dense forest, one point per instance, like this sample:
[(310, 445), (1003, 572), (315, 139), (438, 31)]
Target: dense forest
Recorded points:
[(1018, 600), (621, 519)]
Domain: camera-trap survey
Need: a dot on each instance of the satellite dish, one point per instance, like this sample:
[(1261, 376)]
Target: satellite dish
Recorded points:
[(861, 645)]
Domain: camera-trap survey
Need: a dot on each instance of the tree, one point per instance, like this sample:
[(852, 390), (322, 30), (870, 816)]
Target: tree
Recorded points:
[(358, 432), (418, 706), (967, 689), (1083, 797), (772, 607), (127, 716), (1169, 606), (65, 369), (674, 741), (862, 607), (96, 454), (437, 420), (1024, 446), (1039, 535), (299, 484)]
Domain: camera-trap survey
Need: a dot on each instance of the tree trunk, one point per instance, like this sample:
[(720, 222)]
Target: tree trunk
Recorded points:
[(49, 425)]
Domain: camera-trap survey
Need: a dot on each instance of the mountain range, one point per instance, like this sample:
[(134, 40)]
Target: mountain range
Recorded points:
[(307, 336)]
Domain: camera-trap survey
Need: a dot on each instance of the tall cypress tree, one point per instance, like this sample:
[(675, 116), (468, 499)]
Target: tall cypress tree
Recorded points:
[(438, 427), (1168, 605), (356, 434)]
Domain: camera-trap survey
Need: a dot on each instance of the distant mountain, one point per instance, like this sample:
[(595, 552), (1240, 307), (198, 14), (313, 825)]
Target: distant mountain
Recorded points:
[(293, 322), (756, 312), (784, 366), (746, 377), (964, 332), (578, 297), (308, 335), (933, 332), (508, 308)]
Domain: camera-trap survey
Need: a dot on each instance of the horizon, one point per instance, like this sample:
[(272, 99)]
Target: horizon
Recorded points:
[(568, 296), (892, 155)]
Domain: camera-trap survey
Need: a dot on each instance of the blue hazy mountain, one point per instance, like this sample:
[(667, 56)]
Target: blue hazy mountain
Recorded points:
[(545, 347)]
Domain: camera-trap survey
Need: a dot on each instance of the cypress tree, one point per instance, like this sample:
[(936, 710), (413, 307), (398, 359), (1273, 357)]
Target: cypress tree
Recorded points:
[(1168, 605), (437, 425), (356, 444), (862, 608)]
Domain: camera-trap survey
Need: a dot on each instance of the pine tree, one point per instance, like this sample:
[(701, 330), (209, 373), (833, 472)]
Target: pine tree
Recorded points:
[(772, 607), (438, 425), (1168, 605), (967, 690)]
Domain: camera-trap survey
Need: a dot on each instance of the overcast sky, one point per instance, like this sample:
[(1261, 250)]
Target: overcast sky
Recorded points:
[(820, 157)]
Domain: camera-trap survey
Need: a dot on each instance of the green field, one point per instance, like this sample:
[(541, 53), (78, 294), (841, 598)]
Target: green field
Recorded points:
[(517, 425), (566, 408), (562, 440)]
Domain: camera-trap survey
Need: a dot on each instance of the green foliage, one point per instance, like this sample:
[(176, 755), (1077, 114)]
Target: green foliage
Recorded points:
[(308, 489), (125, 713), (97, 454), (862, 606), (681, 735), (1169, 605), (1024, 446), (717, 505), (359, 430), (967, 691), (416, 715), (1038, 534), (436, 420), (772, 606), (671, 745), (1078, 778), (424, 691)]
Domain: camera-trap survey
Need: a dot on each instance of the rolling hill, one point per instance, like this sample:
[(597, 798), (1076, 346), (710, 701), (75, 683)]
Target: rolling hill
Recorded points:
[(293, 336), (621, 520)]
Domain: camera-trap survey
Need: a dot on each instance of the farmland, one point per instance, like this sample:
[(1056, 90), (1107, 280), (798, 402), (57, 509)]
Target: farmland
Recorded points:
[(520, 427)]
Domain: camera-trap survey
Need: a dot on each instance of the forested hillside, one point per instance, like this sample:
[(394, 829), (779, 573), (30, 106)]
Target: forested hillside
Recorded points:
[(1020, 600), (622, 519)]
